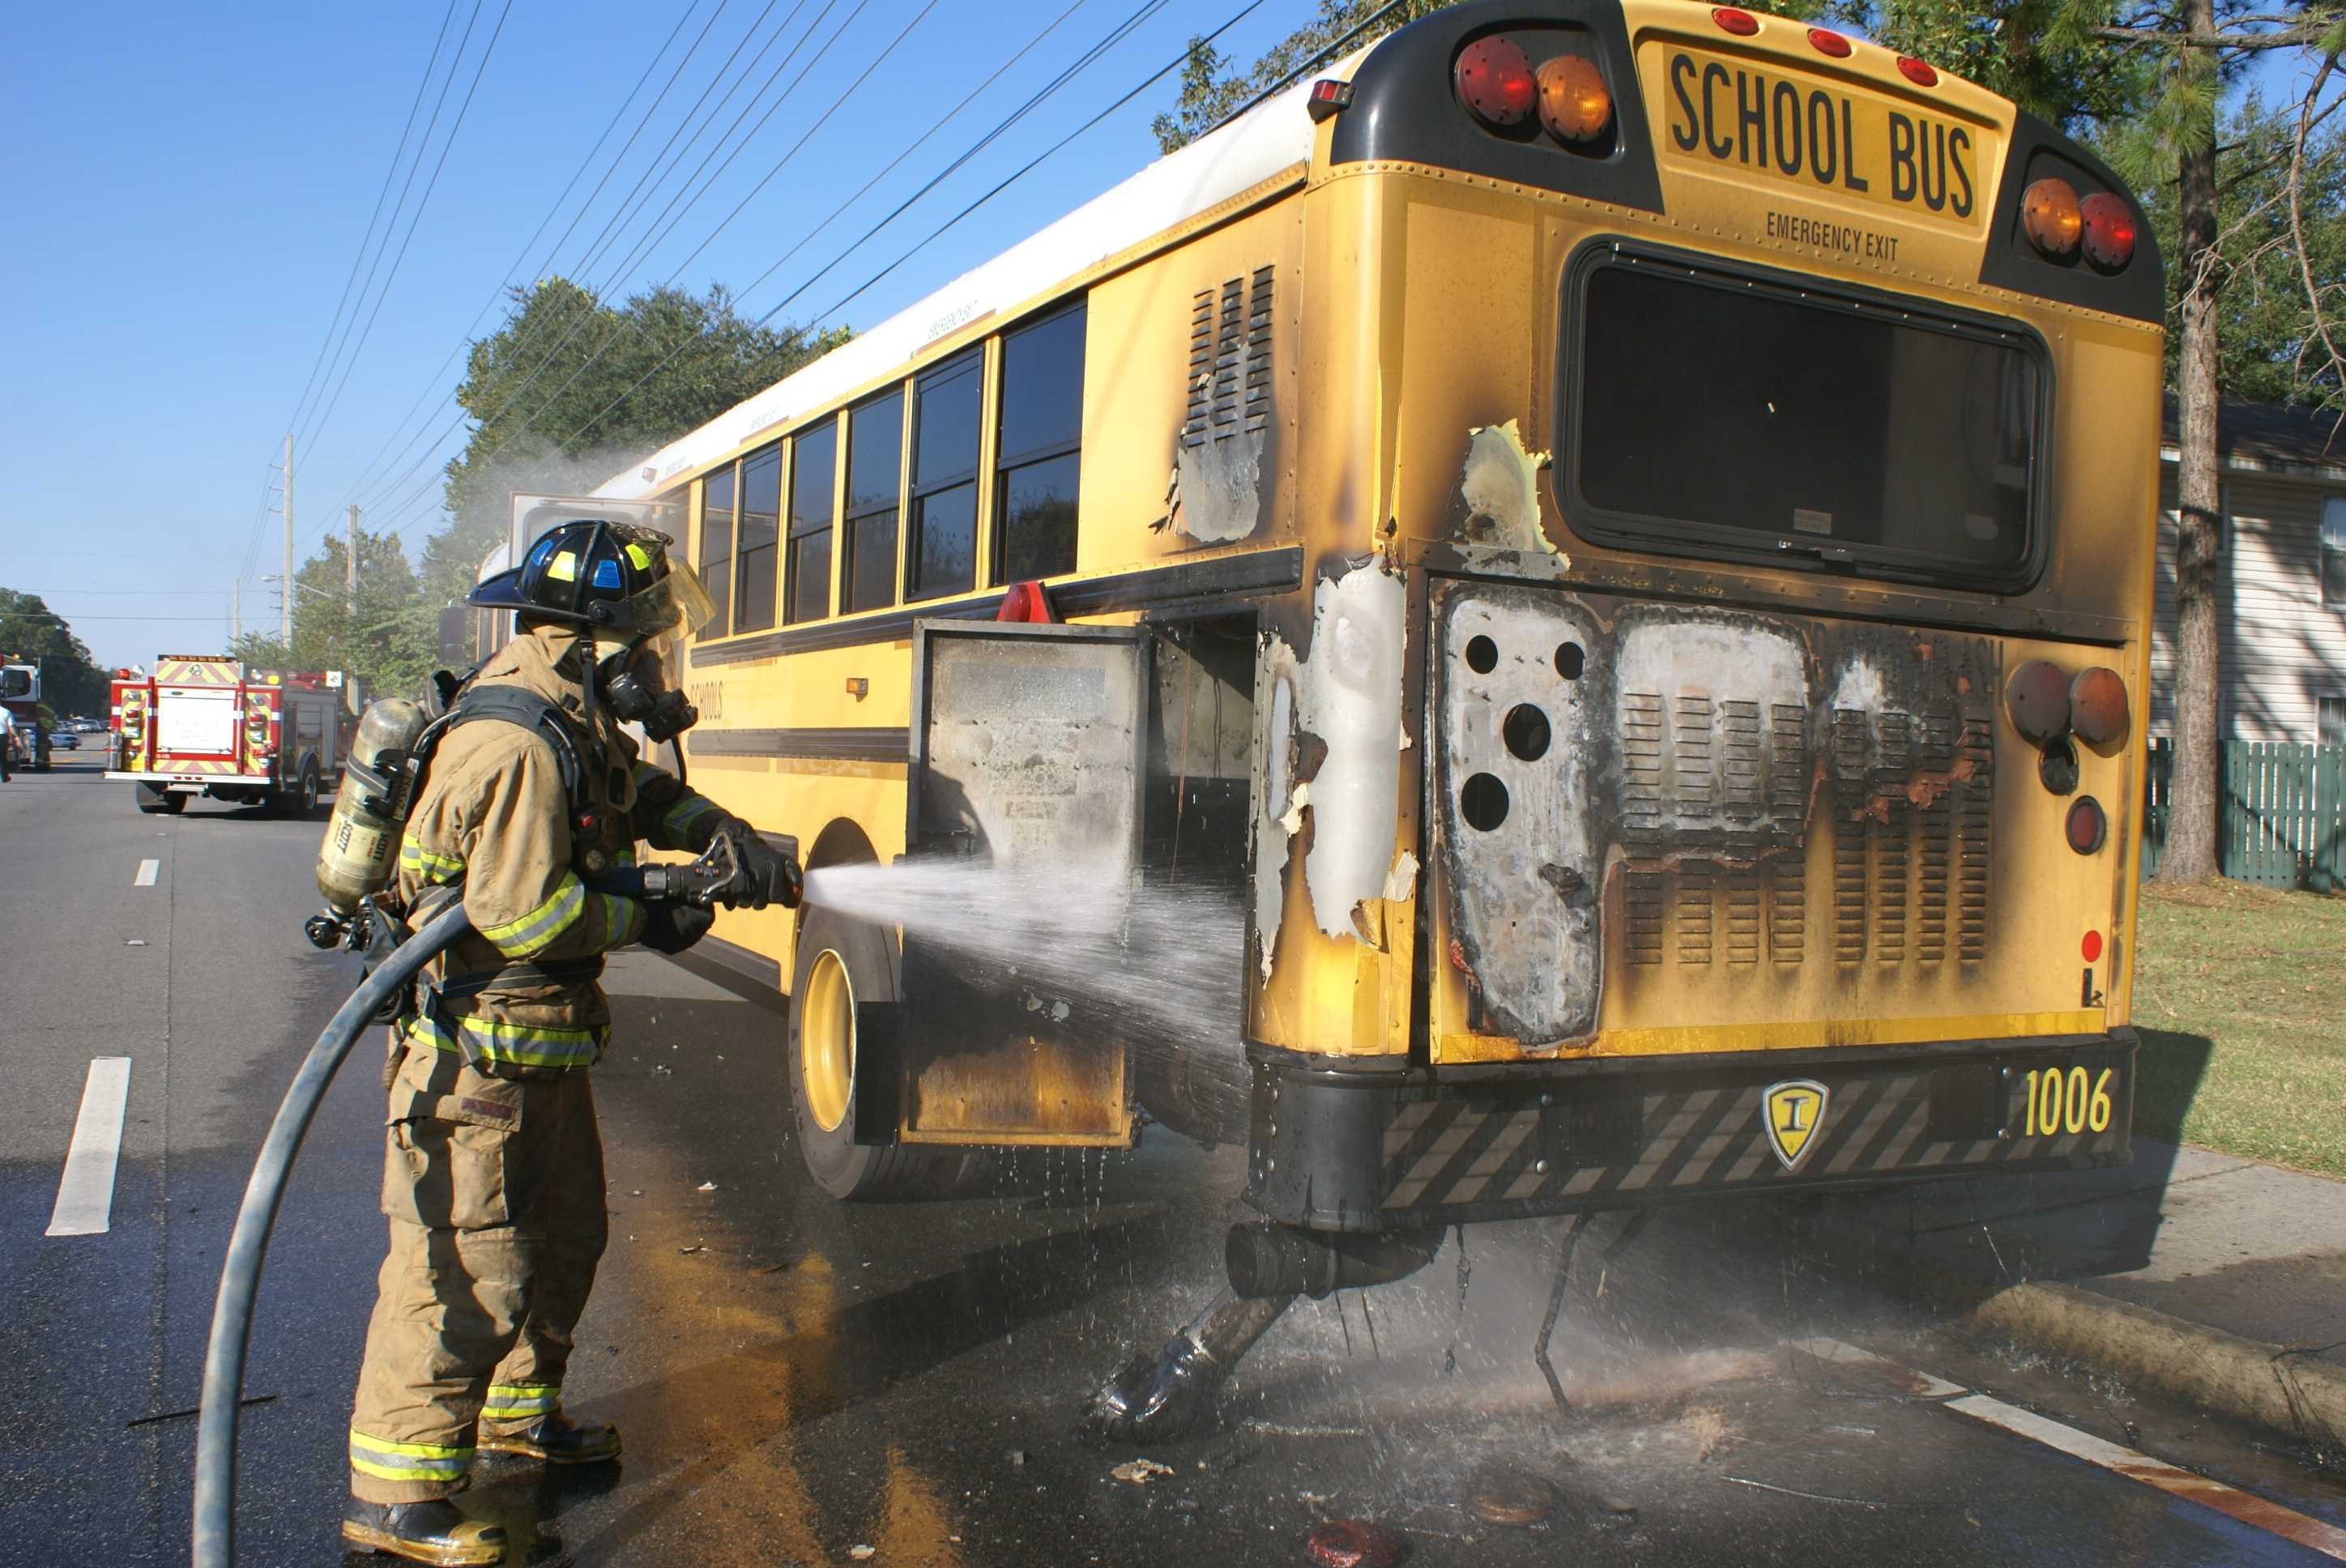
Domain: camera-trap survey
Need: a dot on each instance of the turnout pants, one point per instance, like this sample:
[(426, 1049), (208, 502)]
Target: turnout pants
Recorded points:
[(493, 1188)]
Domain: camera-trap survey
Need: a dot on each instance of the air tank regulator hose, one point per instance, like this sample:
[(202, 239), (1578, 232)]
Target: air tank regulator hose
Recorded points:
[(216, 1432)]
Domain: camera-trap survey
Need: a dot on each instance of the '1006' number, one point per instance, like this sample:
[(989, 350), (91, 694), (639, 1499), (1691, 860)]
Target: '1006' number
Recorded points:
[(2070, 1102)]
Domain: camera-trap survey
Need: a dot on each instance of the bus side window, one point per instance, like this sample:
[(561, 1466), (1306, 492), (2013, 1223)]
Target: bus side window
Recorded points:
[(875, 458), (812, 456), (1042, 432), (717, 546), (941, 551), (753, 553)]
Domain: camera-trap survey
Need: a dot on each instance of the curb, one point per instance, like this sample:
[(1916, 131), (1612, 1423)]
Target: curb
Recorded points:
[(2270, 1386), (2276, 1387)]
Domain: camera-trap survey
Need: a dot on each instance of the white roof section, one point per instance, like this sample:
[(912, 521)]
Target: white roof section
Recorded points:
[(1209, 171)]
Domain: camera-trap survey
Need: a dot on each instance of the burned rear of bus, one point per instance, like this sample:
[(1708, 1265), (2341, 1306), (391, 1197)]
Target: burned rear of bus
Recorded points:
[(1754, 512)]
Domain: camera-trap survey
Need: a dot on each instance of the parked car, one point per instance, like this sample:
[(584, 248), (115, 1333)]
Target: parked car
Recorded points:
[(64, 740)]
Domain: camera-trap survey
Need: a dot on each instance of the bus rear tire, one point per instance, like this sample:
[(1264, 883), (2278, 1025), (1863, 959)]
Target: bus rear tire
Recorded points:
[(156, 801), (837, 1017)]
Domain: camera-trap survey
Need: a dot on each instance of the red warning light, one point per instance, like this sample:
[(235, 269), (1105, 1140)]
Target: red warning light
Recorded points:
[(2092, 947), (1495, 80)]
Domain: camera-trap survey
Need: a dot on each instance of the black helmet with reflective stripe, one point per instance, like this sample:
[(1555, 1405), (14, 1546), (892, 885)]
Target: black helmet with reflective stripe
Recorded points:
[(606, 575)]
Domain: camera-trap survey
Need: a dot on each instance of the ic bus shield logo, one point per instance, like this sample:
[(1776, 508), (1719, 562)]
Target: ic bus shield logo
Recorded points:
[(1792, 1110)]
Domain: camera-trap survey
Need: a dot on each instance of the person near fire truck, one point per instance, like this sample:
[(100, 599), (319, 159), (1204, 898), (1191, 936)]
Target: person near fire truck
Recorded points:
[(493, 1168)]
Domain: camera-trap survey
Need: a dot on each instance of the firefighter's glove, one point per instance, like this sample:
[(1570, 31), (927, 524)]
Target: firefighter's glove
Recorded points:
[(672, 928), (767, 876)]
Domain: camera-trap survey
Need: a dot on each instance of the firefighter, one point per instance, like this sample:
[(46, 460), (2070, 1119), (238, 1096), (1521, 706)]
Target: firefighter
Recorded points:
[(494, 1169)]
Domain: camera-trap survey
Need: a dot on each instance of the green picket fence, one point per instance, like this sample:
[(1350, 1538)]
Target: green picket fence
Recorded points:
[(2283, 813)]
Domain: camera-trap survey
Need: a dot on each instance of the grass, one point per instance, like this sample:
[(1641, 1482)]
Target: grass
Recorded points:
[(2240, 994)]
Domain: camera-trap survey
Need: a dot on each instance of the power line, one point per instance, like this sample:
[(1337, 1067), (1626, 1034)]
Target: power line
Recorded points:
[(399, 507), (1114, 35), (1144, 85), (376, 465), (365, 240), (318, 429)]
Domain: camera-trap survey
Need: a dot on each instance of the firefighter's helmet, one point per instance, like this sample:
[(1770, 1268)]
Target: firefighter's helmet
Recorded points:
[(609, 576)]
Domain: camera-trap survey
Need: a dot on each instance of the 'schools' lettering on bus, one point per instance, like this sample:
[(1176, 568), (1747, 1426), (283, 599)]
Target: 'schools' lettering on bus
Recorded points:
[(1730, 113)]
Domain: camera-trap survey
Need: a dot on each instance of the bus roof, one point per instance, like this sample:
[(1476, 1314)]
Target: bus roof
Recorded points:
[(1275, 136)]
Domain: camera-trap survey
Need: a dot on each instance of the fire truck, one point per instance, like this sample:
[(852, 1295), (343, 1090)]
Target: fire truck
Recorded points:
[(20, 694), (203, 724)]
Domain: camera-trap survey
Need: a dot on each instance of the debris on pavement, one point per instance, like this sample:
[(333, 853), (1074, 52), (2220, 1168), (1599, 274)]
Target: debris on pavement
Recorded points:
[(862, 1553), (1496, 1494), (1140, 1471), (1354, 1544), (707, 1186)]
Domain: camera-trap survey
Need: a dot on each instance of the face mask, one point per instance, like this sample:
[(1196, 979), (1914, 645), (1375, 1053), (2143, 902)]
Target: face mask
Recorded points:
[(636, 694)]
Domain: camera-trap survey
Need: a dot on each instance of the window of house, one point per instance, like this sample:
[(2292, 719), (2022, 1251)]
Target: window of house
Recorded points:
[(941, 550), (755, 545), (2334, 551), (813, 459), (874, 465), (1041, 435), (717, 547), (2330, 720)]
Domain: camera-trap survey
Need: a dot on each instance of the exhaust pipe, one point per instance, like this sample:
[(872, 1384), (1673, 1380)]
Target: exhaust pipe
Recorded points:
[(1268, 1260)]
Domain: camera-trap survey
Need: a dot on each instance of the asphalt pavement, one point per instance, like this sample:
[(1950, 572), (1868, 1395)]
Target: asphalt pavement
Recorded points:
[(804, 1382)]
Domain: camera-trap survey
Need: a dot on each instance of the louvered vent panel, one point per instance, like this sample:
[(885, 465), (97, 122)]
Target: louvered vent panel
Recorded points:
[(1230, 359)]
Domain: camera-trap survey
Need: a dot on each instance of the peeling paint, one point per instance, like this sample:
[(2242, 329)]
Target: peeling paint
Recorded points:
[(1274, 812), (1860, 688), (1351, 700), (1500, 486), (1215, 488), (1402, 881)]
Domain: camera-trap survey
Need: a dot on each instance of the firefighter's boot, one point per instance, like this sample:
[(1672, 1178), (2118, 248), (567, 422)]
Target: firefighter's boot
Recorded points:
[(554, 1438), (433, 1531)]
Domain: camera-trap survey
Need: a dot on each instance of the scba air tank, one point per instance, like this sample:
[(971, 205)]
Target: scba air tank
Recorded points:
[(361, 847)]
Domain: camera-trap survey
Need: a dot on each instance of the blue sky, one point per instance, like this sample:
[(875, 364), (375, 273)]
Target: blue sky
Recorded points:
[(192, 182)]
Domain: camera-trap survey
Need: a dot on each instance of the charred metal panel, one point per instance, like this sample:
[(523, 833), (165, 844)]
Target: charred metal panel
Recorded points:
[(1518, 826), (1707, 767), (1218, 463), (1027, 750)]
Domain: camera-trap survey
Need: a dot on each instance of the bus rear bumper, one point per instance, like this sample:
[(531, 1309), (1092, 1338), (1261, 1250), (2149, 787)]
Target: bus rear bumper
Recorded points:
[(1356, 1149)]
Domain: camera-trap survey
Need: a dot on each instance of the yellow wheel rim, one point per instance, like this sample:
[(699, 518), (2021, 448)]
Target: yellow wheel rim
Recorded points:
[(827, 1041)]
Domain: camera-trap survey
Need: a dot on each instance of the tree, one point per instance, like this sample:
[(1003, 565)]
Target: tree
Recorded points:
[(385, 635), (1211, 92), (569, 391), (32, 633)]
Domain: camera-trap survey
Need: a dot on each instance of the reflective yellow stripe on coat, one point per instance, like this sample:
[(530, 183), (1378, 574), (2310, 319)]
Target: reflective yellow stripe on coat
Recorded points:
[(516, 1044), (531, 932)]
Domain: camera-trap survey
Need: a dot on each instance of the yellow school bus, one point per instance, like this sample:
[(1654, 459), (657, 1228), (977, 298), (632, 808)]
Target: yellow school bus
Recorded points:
[(1624, 529)]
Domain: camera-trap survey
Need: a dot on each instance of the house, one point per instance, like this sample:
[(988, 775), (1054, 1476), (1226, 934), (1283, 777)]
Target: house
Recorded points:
[(2283, 626)]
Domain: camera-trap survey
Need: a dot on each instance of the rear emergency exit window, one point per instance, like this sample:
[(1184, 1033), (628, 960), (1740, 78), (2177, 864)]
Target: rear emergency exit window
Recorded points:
[(1716, 413)]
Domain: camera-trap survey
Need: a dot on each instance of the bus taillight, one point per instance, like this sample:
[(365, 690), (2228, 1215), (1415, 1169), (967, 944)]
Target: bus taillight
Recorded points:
[(2049, 216), (2108, 229), (2088, 827), (2097, 706), (1495, 80), (1574, 104)]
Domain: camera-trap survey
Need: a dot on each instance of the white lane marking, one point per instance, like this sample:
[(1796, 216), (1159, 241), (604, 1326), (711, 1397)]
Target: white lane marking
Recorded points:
[(86, 1191), (2246, 1507), (147, 870), (1926, 1386)]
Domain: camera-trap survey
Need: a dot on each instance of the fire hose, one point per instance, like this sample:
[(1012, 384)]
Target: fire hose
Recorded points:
[(215, 1528), (717, 876)]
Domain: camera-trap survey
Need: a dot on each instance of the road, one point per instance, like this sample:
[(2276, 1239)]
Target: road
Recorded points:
[(798, 1381)]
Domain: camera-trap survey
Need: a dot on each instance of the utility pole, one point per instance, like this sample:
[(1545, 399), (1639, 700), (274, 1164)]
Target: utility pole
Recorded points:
[(236, 611), (351, 563), (285, 602)]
